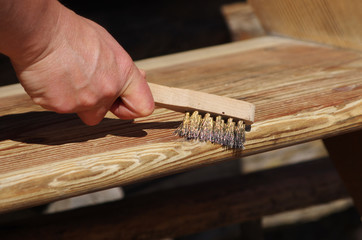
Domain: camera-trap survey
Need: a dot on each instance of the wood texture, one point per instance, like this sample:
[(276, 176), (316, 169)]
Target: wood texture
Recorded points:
[(183, 100), (346, 153), (189, 209), (301, 92), (332, 22), (241, 21)]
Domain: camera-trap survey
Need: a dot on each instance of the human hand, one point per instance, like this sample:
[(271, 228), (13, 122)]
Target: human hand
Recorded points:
[(83, 70)]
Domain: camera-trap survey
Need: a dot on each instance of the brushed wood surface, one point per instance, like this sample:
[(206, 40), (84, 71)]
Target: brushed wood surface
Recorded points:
[(301, 91), (332, 22)]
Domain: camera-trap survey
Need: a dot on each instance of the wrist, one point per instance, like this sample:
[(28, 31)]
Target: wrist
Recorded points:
[(28, 28)]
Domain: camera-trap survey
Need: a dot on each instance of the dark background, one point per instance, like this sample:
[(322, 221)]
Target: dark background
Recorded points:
[(150, 28)]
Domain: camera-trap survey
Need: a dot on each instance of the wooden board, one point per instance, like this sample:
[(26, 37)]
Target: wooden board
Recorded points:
[(241, 21), (332, 22), (302, 92)]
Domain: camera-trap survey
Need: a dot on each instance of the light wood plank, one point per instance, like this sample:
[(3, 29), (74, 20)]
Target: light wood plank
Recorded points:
[(241, 21), (301, 92), (332, 22), (209, 52)]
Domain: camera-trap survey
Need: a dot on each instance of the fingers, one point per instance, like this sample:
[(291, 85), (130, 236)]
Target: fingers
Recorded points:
[(136, 99), (92, 117), (143, 73)]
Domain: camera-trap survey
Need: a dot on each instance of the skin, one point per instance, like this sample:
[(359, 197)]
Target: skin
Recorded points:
[(69, 64)]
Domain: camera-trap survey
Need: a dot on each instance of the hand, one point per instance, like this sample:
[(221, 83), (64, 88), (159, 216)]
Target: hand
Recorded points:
[(83, 70)]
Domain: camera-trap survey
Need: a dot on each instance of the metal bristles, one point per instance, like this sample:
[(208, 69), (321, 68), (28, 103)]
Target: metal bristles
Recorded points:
[(217, 131)]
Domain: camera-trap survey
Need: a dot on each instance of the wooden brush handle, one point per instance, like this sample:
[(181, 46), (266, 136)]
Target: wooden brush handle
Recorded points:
[(182, 100)]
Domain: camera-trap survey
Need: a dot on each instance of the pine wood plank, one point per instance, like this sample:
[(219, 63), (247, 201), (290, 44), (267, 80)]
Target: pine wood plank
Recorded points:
[(332, 22), (190, 209), (302, 92), (241, 21)]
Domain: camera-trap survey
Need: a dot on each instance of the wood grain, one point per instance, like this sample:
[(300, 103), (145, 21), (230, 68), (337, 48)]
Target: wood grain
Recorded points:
[(186, 100), (332, 22), (190, 209), (241, 21), (301, 91)]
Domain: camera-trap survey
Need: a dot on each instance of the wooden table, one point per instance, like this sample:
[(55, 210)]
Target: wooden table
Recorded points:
[(302, 92)]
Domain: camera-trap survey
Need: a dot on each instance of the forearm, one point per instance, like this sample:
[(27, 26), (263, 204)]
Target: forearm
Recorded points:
[(26, 27)]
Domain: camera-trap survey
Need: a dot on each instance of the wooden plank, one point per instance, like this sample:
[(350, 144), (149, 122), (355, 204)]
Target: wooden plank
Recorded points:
[(241, 21), (210, 52), (346, 153), (190, 209), (301, 91), (332, 22)]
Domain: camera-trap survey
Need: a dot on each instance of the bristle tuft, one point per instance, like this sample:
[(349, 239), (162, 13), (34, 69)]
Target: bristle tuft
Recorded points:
[(228, 134), (183, 129), (194, 125)]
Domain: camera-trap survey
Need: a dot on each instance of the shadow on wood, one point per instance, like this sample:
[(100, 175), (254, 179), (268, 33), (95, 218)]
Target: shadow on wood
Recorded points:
[(49, 128)]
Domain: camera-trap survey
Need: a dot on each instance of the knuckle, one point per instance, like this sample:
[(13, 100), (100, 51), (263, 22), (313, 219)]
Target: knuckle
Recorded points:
[(86, 100), (64, 107), (39, 101), (128, 68), (55, 105), (110, 91)]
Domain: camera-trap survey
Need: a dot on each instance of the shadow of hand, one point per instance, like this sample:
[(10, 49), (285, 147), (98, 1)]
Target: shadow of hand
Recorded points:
[(50, 128)]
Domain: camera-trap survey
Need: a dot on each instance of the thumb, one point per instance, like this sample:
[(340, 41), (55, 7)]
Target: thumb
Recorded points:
[(136, 98)]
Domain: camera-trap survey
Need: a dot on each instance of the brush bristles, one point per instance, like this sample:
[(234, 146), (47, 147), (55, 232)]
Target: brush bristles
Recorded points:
[(217, 131)]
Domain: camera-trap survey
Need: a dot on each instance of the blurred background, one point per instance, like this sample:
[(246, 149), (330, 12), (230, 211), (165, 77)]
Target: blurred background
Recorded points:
[(150, 28)]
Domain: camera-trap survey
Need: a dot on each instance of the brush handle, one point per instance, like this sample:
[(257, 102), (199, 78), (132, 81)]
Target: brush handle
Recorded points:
[(182, 100)]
